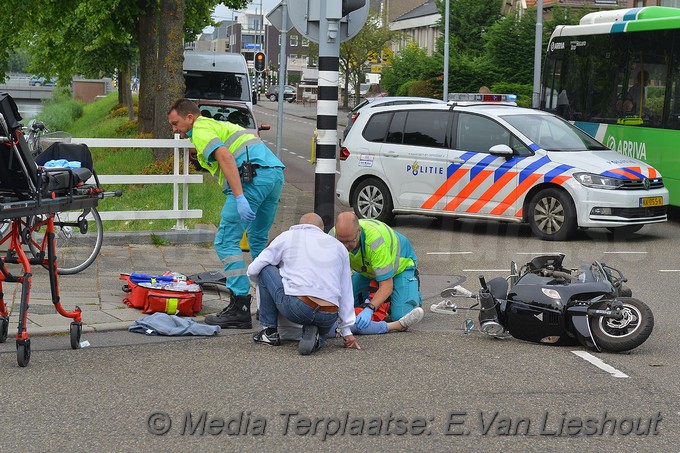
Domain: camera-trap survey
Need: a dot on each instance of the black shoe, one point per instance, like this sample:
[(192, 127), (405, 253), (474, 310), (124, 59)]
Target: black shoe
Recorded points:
[(310, 339), (272, 338), (235, 316)]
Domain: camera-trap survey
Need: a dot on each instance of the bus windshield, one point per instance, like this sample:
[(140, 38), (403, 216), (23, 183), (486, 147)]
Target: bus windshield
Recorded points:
[(616, 76), (216, 85), (552, 133)]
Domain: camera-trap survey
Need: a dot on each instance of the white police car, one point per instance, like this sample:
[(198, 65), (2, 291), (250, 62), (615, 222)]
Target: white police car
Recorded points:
[(483, 157)]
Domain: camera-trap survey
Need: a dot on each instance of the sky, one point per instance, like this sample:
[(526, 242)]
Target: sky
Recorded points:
[(222, 12)]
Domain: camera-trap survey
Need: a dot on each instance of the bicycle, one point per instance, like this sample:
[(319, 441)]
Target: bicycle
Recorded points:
[(78, 243)]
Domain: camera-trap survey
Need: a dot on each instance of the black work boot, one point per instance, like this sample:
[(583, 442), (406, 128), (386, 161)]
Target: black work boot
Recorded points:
[(235, 316)]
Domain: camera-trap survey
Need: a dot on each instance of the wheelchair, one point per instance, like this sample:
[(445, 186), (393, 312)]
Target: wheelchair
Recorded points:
[(27, 191)]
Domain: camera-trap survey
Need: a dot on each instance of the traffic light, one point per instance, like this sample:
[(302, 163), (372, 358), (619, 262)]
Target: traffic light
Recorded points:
[(351, 5), (259, 61)]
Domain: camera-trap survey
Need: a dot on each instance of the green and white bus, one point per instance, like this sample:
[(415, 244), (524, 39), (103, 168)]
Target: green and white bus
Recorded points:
[(616, 75)]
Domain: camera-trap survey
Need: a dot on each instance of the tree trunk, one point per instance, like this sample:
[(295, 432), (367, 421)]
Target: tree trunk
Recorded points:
[(146, 34), (120, 82), (169, 76), (128, 93)]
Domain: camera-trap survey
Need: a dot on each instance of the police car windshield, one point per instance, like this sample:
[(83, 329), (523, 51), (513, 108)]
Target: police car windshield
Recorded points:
[(552, 133)]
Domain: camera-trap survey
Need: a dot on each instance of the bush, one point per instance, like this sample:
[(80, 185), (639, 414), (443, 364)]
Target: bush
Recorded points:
[(523, 92), (59, 116), (421, 88)]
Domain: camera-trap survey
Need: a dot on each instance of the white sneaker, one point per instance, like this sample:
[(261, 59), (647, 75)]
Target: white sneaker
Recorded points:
[(412, 318), (447, 307)]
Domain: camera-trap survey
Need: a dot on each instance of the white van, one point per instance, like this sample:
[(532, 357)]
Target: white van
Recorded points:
[(213, 75)]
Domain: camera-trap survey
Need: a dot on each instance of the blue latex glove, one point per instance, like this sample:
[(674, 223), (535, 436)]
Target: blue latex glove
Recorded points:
[(363, 318), (247, 214)]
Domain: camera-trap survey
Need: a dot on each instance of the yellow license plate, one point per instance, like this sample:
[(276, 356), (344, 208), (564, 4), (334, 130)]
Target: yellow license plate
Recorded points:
[(651, 201)]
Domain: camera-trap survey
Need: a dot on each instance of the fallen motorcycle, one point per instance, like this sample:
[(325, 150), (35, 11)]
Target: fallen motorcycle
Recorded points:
[(544, 302)]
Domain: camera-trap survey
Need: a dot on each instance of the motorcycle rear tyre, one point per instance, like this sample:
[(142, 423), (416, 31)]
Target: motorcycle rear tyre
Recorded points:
[(613, 339)]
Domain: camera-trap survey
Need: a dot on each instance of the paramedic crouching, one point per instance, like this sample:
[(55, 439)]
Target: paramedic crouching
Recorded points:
[(251, 177)]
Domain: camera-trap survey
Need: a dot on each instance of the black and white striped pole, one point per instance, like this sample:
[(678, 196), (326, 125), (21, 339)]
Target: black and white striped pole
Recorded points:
[(330, 36), (327, 111), (327, 22)]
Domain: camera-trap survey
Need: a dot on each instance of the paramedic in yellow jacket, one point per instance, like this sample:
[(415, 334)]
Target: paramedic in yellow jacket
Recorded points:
[(252, 197), (378, 252)]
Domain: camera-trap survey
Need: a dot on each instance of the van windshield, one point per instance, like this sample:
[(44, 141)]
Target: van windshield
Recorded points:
[(216, 85)]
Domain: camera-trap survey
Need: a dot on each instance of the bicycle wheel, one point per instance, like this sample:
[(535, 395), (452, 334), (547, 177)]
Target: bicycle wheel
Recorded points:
[(78, 237)]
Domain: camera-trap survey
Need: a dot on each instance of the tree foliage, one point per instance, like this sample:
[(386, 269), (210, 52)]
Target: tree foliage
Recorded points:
[(469, 20), (97, 38), (412, 63), (355, 53)]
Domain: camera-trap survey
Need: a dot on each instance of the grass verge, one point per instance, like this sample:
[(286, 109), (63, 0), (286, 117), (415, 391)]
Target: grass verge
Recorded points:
[(104, 118)]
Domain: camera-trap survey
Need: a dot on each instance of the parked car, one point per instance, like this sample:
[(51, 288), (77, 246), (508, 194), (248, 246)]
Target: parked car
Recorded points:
[(36, 81), (383, 101), (231, 111), (494, 161), (289, 93)]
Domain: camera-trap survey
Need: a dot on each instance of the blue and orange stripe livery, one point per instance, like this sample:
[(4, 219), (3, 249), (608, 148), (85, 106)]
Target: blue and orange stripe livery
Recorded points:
[(493, 181)]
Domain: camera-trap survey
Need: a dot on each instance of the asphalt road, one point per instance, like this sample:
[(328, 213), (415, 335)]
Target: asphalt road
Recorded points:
[(434, 388)]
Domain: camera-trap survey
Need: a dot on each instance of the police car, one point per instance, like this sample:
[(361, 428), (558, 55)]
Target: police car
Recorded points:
[(481, 156)]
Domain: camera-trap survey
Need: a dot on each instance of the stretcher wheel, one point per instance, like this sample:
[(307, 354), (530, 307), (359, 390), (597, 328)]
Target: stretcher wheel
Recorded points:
[(23, 352), (4, 326), (75, 331)]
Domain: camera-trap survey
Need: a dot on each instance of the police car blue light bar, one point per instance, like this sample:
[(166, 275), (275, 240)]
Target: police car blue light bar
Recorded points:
[(482, 97)]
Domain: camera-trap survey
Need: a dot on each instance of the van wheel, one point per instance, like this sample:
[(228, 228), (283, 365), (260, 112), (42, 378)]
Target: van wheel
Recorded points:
[(552, 215), (372, 200), (272, 97)]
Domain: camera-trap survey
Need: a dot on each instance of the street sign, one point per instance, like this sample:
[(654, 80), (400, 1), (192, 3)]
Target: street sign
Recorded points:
[(275, 17), (304, 16)]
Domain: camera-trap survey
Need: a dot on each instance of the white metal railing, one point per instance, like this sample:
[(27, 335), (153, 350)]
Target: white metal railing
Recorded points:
[(177, 179)]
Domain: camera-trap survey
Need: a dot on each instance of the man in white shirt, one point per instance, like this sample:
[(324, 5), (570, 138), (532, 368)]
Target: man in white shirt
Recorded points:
[(305, 275)]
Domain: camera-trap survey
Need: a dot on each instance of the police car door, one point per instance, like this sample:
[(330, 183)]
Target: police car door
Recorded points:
[(478, 182), (414, 155)]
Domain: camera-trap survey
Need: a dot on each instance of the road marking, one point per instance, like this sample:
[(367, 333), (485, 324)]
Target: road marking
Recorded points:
[(669, 270), (600, 364), (293, 153), (485, 270), (448, 253), (627, 253)]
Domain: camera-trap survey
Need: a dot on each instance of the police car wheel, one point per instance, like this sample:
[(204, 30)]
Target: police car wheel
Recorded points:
[(372, 200), (552, 215)]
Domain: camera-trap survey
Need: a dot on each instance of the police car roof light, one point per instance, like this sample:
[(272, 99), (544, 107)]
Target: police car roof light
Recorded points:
[(482, 97)]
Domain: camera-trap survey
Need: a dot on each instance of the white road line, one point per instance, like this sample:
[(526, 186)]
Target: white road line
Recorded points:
[(448, 253), (669, 270), (301, 157), (627, 253), (600, 364), (293, 153), (486, 270)]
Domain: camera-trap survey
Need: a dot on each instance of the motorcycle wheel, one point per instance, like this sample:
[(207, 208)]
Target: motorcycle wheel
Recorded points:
[(625, 334)]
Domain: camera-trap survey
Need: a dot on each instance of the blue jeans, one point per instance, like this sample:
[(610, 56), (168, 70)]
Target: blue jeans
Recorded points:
[(263, 196), (273, 300)]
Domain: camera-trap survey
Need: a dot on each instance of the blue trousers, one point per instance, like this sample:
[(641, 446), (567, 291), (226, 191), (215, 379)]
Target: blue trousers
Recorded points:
[(405, 295), (263, 195), (273, 300)]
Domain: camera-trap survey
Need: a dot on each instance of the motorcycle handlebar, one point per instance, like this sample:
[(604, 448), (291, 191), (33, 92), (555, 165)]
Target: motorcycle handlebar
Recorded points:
[(482, 283)]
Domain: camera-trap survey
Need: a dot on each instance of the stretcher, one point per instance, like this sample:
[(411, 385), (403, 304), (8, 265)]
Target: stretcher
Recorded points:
[(27, 190)]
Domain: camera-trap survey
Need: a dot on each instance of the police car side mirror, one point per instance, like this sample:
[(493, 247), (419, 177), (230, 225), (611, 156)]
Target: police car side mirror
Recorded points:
[(501, 150)]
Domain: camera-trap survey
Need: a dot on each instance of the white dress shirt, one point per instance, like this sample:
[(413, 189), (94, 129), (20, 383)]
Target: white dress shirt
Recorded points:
[(311, 263)]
